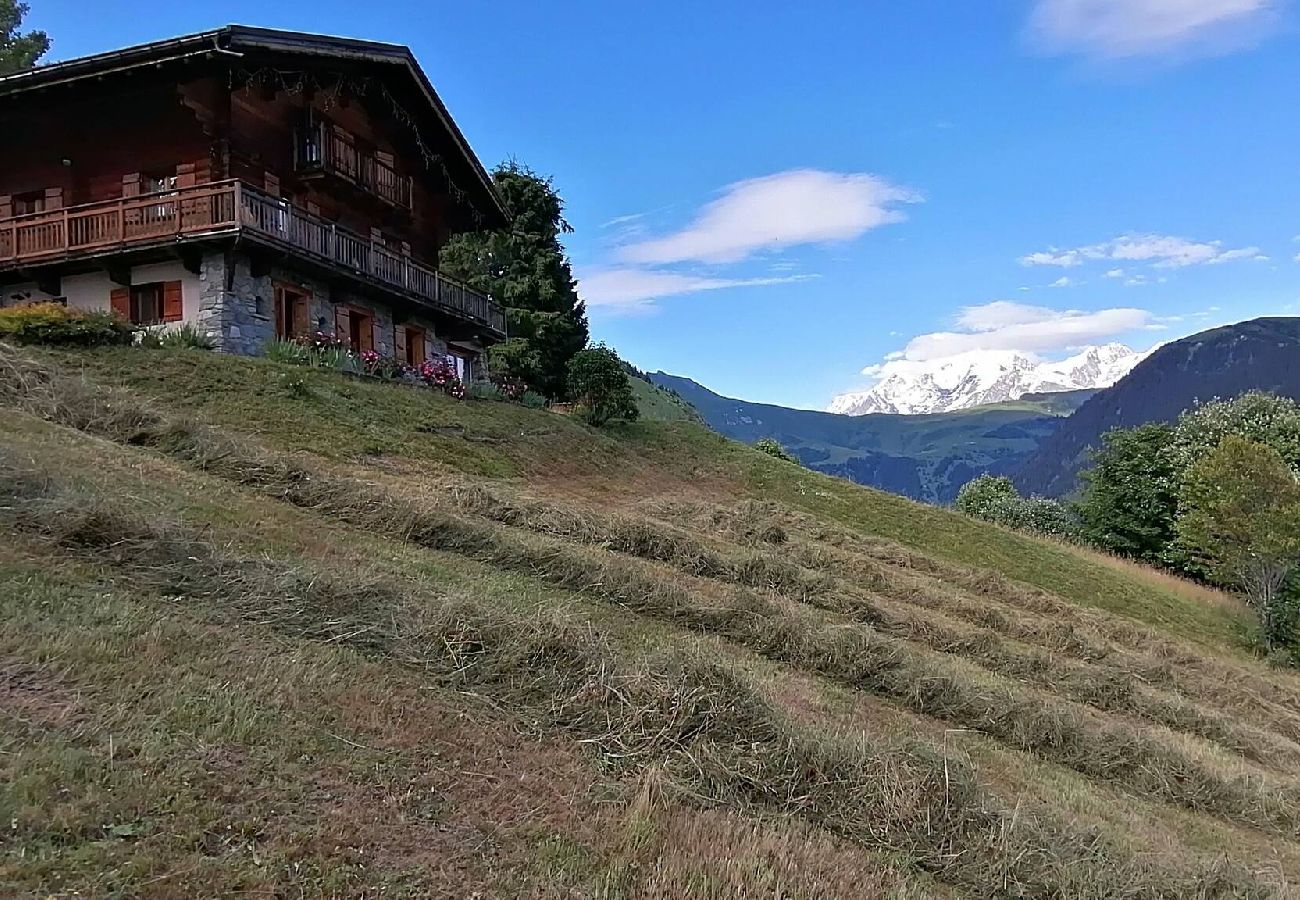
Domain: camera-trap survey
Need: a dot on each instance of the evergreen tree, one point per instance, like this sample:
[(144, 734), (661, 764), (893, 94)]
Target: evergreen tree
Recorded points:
[(18, 51), (525, 269)]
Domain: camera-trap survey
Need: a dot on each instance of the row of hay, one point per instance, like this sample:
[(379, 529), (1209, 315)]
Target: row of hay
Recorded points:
[(707, 729), (857, 657)]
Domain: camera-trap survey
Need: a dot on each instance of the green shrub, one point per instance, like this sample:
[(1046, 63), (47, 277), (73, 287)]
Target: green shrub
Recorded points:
[(599, 387), (482, 390), (288, 352), (772, 448), (534, 400), (51, 323), (993, 498), (185, 337)]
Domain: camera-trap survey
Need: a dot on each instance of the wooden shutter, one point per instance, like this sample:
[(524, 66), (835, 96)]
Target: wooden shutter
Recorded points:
[(313, 207), (131, 185), (185, 175), (6, 206), (120, 302), (272, 183), (173, 302), (399, 344), (342, 323), (54, 198), (279, 312), (369, 335), (302, 314)]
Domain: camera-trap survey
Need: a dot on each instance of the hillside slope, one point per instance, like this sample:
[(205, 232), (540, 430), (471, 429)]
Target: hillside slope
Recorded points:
[(1260, 354), (925, 457), (275, 631)]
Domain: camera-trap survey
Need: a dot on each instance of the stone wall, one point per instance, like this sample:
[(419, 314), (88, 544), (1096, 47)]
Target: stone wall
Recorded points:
[(239, 320)]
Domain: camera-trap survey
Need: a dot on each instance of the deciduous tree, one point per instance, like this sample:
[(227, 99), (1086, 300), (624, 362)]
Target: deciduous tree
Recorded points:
[(1240, 516), (1130, 498)]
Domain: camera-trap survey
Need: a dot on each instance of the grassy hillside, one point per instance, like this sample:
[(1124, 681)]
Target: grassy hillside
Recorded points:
[(279, 632), (659, 405)]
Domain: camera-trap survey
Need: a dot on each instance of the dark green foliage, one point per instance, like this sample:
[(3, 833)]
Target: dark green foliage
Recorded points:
[(598, 385), (18, 51), (772, 448), (1131, 494), (525, 269)]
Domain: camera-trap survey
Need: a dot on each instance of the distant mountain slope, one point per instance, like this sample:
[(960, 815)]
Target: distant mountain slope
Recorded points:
[(980, 377), (1261, 354), (923, 457)]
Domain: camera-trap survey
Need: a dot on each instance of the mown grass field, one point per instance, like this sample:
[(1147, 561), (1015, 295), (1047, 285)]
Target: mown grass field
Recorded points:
[(278, 632)]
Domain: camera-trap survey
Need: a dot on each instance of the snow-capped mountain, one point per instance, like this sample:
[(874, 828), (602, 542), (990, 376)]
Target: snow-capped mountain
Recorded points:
[(983, 376)]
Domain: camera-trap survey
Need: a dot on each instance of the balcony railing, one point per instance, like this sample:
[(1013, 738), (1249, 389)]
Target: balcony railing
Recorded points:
[(321, 148), (227, 207)]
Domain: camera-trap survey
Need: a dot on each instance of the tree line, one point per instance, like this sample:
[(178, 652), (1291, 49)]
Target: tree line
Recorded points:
[(1213, 496)]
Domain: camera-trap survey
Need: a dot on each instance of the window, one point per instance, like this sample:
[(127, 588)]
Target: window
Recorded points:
[(292, 312), (149, 304), (146, 304), (26, 204), (464, 367), (361, 335), (414, 345), (156, 182)]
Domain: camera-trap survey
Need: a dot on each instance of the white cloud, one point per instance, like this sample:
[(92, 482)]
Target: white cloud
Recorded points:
[(1063, 282), (1003, 325), (787, 209), (1158, 250), (630, 290), (1119, 29)]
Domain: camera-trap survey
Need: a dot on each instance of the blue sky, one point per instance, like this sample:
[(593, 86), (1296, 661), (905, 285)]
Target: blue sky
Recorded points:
[(770, 197)]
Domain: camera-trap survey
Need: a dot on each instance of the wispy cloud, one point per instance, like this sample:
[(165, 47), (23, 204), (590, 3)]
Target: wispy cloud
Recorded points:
[(1158, 250), (777, 212), (622, 220), (634, 290), (1003, 325), (1125, 29)]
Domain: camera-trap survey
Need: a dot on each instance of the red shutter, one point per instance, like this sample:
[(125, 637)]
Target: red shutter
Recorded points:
[(173, 302), (120, 301)]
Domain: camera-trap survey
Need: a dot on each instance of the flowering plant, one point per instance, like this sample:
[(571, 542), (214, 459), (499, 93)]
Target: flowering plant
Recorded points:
[(440, 374), (510, 387), (321, 341)]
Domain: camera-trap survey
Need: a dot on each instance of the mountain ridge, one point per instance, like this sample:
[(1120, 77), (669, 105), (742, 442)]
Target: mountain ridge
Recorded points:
[(1223, 362), (925, 457), (981, 377)]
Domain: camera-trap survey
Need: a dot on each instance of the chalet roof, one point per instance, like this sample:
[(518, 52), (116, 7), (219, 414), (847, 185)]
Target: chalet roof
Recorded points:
[(238, 39)]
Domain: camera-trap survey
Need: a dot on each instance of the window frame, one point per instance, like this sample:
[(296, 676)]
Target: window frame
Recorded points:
[(137, 291)]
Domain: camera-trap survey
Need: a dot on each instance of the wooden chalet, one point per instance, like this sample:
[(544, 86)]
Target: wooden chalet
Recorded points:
[(255, 183)]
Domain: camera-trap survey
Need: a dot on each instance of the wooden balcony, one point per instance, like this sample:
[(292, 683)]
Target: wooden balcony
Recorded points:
[(229, 208), (321, 148)]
